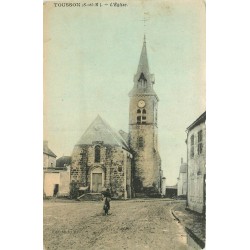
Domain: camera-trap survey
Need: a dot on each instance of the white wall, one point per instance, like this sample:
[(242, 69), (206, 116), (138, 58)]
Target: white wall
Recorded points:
[(62, 178), (182, 184), (50, 179), (196, 170)]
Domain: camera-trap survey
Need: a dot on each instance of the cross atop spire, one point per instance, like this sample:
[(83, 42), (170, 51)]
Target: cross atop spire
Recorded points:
[(145, 19)]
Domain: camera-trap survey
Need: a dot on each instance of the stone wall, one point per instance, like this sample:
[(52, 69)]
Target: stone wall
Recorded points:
[(113, 161), (78, 171), (196, 170), (146, 159)]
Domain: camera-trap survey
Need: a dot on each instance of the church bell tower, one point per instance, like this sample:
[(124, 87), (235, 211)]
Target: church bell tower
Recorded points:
[(143, 129)]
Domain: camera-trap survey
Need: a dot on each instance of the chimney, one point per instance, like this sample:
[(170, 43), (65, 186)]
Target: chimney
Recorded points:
[(181, 160), (45, 144)]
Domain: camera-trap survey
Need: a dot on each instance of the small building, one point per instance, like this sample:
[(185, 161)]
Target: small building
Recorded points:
[(49, 158), (171, 191), (56, 181), (101, 159), (182, 180), (196, 160)]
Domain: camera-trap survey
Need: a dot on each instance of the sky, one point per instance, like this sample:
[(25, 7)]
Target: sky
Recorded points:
[(91, 55)]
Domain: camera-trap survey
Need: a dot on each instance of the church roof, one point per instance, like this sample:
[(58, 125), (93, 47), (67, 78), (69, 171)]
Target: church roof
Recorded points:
[(46, 149), (100, 130), (124, 135)]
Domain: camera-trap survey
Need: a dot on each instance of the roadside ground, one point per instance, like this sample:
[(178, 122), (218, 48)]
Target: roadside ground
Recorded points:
[(195, 222), (133, 224)]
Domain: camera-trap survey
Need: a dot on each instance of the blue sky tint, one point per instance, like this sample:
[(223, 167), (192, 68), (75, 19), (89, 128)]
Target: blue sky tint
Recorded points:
[(91, 55)]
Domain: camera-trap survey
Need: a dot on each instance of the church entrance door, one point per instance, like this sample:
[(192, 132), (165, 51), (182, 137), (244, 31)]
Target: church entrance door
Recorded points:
[(96, 182)]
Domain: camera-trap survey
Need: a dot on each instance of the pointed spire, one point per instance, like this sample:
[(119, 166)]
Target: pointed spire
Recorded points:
[(143, 63), (143, 80)]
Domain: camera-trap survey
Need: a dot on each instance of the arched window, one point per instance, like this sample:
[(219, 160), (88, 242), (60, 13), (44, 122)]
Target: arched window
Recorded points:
[(97, 153), (142, 81), (141, 116)]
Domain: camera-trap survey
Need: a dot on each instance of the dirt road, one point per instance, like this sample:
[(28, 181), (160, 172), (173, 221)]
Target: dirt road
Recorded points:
[(133, 224)]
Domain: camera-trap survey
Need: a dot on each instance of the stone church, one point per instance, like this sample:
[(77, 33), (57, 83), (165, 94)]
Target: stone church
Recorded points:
[(128, 164), (102, 159)]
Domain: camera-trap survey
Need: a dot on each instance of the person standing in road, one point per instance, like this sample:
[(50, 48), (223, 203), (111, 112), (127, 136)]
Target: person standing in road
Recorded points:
[(106, 196)]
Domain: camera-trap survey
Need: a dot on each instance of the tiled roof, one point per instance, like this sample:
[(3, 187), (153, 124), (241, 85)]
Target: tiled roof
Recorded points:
[(46, 149), (63, 160), (99, 130)]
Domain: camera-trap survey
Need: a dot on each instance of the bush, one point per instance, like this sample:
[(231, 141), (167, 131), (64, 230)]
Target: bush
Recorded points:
[(74, 190)]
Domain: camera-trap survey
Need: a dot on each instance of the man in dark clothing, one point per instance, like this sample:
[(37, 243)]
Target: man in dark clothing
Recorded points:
[(106, 195)]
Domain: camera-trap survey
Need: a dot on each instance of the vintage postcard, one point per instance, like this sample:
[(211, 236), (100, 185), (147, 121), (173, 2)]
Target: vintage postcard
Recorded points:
[(124, 150)]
